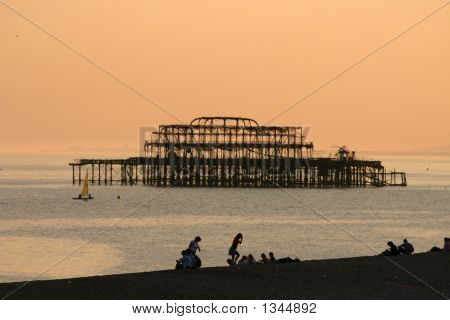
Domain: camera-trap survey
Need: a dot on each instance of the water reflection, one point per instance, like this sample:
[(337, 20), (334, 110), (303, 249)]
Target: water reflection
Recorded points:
[(27, 257)]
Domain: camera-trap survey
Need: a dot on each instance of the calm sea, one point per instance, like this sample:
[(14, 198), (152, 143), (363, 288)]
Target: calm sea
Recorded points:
[(44, 233)]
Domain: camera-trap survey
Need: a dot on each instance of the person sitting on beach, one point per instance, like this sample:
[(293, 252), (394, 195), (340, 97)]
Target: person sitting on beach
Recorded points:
[(446, 245), (282, 260), (179, 264), (251, 259), (243, 260), (264, 258), (187, 261), (272, 257), (233, 249), (406, 247), (392, 251), (288, 260)]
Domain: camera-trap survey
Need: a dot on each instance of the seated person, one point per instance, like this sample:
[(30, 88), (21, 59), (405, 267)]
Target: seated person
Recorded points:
[(264, 258), (446, 245), (406, 247), (187, 261), (243, 260), (272, 257), (251, 259), (392, 251)]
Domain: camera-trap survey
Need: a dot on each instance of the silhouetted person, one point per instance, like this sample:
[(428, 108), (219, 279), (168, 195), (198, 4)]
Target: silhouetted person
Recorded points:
[(264, 258), (194, 245), (251, 259), (272, 257), (243, 260), (288, 260), (282, 260), (392, 251), (233, 249), (446, 247), (187, 261), (406, 247)]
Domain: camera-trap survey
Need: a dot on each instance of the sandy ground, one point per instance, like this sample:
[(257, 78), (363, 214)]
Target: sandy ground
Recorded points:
[(427, 277)]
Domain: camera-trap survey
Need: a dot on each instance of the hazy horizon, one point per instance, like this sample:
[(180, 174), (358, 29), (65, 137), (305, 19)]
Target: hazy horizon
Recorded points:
[(251, 59)]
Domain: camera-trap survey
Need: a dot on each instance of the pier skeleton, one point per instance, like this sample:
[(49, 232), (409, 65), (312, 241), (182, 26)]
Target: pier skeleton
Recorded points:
[(235, 152)]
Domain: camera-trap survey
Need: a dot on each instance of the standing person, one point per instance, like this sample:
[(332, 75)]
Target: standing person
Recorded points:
[(233, 249), (193, 247)]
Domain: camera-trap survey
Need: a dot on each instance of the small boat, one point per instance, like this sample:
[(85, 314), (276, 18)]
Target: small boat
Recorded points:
[(85, 195)]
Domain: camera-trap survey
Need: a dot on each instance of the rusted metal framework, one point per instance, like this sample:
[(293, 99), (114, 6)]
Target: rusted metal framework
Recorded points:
[(237, 152), (225, 151)]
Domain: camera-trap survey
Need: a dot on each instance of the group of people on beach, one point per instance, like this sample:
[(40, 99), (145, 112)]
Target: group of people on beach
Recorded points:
[(264, 259), (446, 247), (249, 259), (392, 250), (407, 248), (190, 260)]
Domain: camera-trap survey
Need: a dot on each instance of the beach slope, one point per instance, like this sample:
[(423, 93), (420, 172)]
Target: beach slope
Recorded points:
[(420, 276)]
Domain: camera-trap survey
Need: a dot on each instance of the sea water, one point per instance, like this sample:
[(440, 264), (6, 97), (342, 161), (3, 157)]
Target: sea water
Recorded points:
[(45, 234)]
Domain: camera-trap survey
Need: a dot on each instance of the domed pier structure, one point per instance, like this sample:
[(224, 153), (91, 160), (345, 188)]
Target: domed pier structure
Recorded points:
[(235, 152)]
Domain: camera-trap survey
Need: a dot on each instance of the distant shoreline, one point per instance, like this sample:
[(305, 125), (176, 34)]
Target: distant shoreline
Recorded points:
[(348, 278)]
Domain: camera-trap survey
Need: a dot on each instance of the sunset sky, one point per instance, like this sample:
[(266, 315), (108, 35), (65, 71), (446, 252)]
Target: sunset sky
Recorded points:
[(249, 58)]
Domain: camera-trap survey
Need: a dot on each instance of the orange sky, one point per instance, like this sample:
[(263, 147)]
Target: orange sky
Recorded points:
[(241, 58)]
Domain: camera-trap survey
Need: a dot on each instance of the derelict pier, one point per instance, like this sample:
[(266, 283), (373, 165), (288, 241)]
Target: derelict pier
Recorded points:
[(235, 152)]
